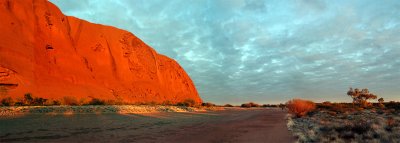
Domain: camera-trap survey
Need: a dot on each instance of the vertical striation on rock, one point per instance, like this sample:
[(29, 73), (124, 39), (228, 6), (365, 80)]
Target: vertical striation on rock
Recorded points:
[(51, 55)]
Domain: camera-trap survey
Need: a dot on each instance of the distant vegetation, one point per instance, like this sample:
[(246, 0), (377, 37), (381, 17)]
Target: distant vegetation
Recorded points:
[(228, 105), (250, 104), (8, 101), (68, 100), (30, 100), (187, 103), (360, 101), (208, 104), (270, 105)]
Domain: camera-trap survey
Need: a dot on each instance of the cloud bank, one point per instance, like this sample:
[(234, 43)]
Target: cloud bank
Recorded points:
[(266, 51)]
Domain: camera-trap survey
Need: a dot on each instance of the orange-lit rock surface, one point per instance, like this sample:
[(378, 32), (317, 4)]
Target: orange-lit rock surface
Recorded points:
[(51, 55)]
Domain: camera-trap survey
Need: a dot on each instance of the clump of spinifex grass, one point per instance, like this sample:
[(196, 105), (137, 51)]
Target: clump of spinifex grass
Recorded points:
[(300, 107)]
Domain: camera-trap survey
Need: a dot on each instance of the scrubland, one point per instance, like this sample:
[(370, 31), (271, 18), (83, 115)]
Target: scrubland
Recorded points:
[(344, 122)]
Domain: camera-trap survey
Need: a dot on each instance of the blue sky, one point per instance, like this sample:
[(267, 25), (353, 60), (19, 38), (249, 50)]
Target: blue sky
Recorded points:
[(237, 51)]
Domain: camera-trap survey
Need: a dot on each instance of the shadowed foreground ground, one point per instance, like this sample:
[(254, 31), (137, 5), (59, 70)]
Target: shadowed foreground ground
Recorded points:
[(233, 125)]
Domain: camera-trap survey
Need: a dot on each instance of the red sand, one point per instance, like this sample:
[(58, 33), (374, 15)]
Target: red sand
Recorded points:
[(51, 55)]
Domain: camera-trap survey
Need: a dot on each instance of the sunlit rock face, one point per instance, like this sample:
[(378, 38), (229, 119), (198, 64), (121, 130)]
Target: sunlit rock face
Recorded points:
[(51, 55)]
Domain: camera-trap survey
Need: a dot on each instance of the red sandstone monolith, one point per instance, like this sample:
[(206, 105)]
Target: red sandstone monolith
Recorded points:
[(50, 55)]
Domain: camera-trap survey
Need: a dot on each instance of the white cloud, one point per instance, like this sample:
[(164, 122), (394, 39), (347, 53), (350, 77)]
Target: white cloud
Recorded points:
[(242, 50)]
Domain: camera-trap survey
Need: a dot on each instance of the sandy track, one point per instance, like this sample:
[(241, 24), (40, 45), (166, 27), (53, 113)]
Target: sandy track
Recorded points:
[(264, 126), (233, 125)]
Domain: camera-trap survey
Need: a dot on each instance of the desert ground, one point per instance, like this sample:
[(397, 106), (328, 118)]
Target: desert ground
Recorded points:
[(229, 125), (346, 122)]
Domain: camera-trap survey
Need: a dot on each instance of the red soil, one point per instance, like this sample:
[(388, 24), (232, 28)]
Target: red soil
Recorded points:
[(51, 55)]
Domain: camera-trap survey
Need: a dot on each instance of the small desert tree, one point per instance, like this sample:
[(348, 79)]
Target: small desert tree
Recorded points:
[(28, 99), (361, 97), (380, 100)]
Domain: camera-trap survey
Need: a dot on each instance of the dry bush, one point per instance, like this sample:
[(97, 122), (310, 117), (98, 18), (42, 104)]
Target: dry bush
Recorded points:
[(167, 103), (208, 104), (338, 107), (152, 103), (245, 105), (38, 101), (250, 104), (187, 103), (392, 105), (18, 102), (51, 102), (56, 102), (8, 101), (228, 105), (300, 107), (68, 100), (254, 104), (324, 105), (114, 102), (28, 99), (269, 105), (96, 101), (390, 123), (327, 103)]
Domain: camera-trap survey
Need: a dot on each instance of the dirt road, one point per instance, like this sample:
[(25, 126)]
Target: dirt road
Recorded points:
[(264, 126), (228, 126)]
